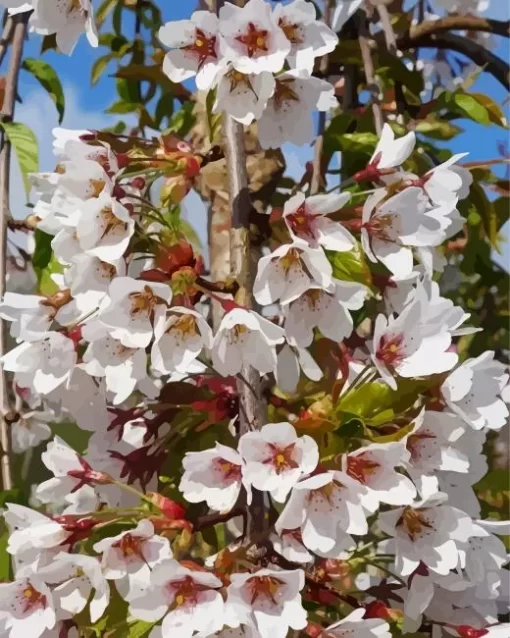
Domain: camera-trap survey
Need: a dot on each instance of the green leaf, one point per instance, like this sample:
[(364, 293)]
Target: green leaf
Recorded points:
[(104, 10), (5, 557), (43, 250), (24, 143), (74, 436), (350, 266), (49, 80), (496, 115), (437, 128), (99, 66), (122, 107), (376, 403), (472, 108), (213, 119), (139, 629), (182, 121)]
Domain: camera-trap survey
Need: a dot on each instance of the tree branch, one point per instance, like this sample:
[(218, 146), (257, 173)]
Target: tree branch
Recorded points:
[(368, 65), (454, 23), (243, 266), (20, 23), (477, 53), (5, 40)]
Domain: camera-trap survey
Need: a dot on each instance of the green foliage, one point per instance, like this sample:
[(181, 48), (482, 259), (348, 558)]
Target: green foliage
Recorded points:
[(350, 266), (49, 80), (24, 143)]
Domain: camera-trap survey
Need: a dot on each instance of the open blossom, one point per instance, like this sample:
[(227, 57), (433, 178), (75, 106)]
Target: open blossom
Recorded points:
[(306, 219), (288, 115), (76, 576), (327, 507), (391, 228), (251, 38), (309, 38), (30, 430), (289, 544), (426, 531), (68, 20), (291, 360), (374, 467), (326, 309), (71, 473), (276, 458), (132, 554), (214, 476), (133, 309), (406, 347), (390, 153), (104, 228), (179, 338), (473, 391), (26, 608), (31, 315), (34, 538), (268, 601), (194, 48), (243, 96), (187, 600), (42, 365), (355, 624), (289, 271), (245, 338)]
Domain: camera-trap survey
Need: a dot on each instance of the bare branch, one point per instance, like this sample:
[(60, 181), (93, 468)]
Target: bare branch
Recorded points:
[(368, 65), (460, 23), (20, 23)]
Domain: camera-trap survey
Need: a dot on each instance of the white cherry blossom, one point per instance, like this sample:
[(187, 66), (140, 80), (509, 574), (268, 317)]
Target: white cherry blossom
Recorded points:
[(179, 338), (327, 507), (243, 96), (245, 338), (42, 365), (104, 228), (214, 476), (276, 458), (327, 310), (251, 39), (291, 360), (374, 467), (268, 601), (355, 624), (131, 555), (30, 430), (404, 347), (473, 391), (390, 153), (133, 309), (68, 20), (188, 601), (306, 219), (289, 271), (26, 608), (427, 531), (288, 116), (289, 544), (194, 48), (76, 576), (309, 37)]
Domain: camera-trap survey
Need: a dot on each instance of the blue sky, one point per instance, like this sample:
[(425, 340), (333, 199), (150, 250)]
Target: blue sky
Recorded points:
[(86, 104)]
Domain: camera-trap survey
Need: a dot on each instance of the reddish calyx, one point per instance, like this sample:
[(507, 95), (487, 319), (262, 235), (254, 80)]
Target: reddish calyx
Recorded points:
[(79, 529), (171, 509), (88, 476), (465, 631), (372, 172)]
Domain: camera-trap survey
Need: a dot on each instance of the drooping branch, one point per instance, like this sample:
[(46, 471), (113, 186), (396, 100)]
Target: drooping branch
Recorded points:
[(20, 23), (476, 52), (458, 23)]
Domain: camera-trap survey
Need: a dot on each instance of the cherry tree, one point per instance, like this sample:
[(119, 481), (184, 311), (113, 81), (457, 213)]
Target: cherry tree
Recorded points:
[(298, 429)]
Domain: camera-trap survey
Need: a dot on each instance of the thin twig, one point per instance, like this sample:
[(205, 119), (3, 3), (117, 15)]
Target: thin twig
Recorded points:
[(5, 40), (368, 65), (11, 86), (389, 33)]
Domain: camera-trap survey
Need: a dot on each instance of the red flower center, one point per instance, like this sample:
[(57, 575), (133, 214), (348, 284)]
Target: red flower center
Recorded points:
[(300, 222), (203, 47), (390, 350), (130, 545), (32, 599), (414, 522), (413, 443), (281, 458), (361, 468), (254, 39), (264, 587)]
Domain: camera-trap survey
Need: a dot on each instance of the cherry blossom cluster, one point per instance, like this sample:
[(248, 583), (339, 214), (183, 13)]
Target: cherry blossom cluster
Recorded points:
[(259, 62)]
